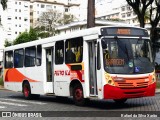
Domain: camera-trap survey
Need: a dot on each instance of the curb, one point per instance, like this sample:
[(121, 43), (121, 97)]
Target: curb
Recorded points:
[(2, 87)]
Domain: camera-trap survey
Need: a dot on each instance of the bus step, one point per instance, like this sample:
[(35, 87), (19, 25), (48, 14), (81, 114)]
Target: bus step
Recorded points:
[(93, 97), (50, 94)]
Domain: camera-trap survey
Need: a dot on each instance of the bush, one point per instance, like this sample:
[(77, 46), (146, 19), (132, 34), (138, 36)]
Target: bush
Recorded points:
[(1, 81)]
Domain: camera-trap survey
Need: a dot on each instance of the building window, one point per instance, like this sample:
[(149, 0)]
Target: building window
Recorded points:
[(16, 32), (128, 14), (19, 3), (42, 6), (9, 59), (59, 52), (30, 56), (25, 19), (66, 10), (123, 8), (15, 17), (19, 18), (19, 10), (123, 15), (18, 58)]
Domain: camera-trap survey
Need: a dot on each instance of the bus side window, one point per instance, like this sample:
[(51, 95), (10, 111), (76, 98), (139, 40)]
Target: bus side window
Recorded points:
[(18, 58), (9, 59), (39, 55), (59, 52), (30, 55), (74, 50)]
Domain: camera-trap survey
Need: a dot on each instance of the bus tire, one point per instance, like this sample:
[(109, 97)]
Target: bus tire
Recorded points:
[(78, 95), (27, 91), (120, 101)]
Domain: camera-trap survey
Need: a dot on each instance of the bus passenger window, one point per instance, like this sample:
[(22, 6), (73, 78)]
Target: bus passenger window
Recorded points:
[(9, 59), (59, 52), (18, 58), (74, 50), (30, 55), (39, 55)]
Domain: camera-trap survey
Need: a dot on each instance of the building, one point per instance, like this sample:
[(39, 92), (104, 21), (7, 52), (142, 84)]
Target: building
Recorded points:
[(75, 26), (123, 12), (21, 14)]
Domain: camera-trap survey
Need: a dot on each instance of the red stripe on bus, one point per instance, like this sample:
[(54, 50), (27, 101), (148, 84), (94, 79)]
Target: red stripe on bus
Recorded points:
[(13, 75)]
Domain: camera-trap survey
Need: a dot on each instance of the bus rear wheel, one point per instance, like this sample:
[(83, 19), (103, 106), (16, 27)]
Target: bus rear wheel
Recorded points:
[(120, 101), (78, 95), (27, 92)]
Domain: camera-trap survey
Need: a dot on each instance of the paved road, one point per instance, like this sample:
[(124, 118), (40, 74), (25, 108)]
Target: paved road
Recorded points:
[(14, 102)]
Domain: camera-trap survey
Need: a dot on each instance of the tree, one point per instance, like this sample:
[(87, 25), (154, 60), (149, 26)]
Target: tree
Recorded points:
[(50, 19), (4, 4), (154, 20), (7, 43), (33, 35), (26, 37), (140, 7), (22, 38), (66, 19)]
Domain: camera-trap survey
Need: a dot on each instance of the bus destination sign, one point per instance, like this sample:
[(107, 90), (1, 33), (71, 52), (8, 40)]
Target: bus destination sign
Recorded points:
[(124, 31)]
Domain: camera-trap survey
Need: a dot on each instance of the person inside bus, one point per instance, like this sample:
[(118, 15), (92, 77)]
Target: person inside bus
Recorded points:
[(114, 52), (70, 56), (78, 55)]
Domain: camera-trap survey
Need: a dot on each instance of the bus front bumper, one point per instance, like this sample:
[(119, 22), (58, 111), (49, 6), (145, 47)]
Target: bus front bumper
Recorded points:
[(113, 92)]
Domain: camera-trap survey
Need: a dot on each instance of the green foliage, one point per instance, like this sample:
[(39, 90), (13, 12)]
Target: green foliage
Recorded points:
[(7, 43), (158, 85), (26, 37), (1, 81), (22, 38), (33, 34), (43, 34)]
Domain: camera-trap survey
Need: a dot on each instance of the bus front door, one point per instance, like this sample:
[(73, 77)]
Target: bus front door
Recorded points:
[(92, 68), (49, 70)]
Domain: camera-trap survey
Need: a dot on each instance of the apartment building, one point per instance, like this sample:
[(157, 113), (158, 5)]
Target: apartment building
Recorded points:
[(124, 13), (21, 14)]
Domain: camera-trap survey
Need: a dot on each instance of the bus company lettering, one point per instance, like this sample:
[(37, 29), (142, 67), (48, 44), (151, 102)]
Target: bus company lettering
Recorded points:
[(62, 72), (115, 61)]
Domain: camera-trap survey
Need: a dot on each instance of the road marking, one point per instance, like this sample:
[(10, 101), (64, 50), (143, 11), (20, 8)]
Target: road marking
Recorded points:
[(23, 101), (10, 103)]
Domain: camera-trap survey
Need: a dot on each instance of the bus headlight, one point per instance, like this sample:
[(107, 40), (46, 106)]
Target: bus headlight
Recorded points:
[(153, 79)]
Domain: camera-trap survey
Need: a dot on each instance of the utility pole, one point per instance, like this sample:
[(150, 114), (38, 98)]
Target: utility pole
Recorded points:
[(91, 14)]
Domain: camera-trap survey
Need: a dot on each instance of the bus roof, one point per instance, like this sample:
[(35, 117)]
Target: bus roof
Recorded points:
[(85, 32)]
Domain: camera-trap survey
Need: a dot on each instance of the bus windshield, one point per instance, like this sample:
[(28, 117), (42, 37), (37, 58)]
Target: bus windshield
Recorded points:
[(127, 55)]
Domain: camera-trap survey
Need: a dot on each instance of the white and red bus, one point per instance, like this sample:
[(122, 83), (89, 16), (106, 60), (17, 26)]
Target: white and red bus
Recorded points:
[(102, 63)]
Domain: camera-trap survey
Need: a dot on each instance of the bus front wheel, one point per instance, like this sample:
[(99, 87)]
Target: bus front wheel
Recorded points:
[(120, 101), (78, 95)]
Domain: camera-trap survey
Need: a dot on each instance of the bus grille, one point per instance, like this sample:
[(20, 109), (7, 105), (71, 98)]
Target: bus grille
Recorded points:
[(138, 83)]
